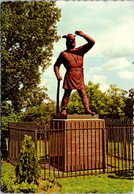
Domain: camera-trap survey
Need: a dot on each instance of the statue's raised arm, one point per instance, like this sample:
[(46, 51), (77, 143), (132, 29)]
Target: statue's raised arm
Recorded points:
[(90, 41)]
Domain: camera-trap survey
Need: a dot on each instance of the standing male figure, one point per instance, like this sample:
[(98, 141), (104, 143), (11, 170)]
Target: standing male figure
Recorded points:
[(72, 59)]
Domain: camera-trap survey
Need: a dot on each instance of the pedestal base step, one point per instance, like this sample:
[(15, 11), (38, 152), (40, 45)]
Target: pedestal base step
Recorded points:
[(75, 116)]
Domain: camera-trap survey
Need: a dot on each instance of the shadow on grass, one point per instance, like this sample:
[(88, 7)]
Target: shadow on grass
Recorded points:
[(122, 175)]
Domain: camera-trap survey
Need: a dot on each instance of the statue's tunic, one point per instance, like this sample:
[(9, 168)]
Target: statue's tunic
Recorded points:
[(73, 62), (74, 78)]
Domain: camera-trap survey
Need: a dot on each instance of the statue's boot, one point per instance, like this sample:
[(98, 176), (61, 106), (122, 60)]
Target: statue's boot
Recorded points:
[(83, 96), (65, 100), (63, 112)]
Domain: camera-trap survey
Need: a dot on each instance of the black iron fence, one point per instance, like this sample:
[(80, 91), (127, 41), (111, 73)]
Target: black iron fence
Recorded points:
[(77, 151), (73, 152), (16, 132)]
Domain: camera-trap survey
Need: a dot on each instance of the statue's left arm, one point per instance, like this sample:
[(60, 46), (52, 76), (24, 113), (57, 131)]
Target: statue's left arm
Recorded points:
[(90, 41)]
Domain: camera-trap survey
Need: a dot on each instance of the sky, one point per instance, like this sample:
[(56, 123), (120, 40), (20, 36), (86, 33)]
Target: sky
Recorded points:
[(111, 25)]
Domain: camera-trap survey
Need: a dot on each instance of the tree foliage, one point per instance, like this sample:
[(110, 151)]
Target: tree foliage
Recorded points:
[(117, 102), (109, 104), (40, 114), (35, 97), (28, 169), (129, 104), (28, 31)]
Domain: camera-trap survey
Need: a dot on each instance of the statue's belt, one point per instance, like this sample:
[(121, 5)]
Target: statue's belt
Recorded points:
[(75, 69)]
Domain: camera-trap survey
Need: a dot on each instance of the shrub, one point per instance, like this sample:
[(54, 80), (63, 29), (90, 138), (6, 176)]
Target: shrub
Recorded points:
[(8, 178), (9, 183), (28, 168), (49, 184), (25, 187)]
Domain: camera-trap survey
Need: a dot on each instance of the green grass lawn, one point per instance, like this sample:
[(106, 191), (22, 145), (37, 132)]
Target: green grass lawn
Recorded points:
[(101, 183), (105, 183)]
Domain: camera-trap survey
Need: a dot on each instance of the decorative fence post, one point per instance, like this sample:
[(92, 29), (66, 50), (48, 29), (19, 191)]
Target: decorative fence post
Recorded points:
[(103, 148)]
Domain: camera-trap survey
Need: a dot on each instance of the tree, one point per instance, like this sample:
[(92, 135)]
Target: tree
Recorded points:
[(28, 169), (117, 104), (129, 104), (28, 31), (6, 108), (109, 104), (75, 105), (41, 113), (95, 97), (35, 97)]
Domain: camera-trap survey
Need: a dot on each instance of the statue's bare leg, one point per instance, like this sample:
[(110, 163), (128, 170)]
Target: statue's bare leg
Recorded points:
[(83, 96), (65, 101)]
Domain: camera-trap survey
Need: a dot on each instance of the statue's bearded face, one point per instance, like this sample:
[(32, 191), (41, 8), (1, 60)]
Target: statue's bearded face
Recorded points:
[(71, 43)]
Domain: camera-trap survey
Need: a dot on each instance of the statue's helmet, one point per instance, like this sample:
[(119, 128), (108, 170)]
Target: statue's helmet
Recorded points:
[(70, 40), (69, 36)]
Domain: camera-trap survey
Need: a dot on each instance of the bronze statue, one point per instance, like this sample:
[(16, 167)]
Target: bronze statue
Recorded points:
[(72, 59)]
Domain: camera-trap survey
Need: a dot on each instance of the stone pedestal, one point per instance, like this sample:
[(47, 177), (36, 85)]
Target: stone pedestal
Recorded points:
[(77, 142)]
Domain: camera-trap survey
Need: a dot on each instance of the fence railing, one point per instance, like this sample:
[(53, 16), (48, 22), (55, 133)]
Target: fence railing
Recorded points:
[(73, 152), (16, 132), (119, 146), (77, 152)]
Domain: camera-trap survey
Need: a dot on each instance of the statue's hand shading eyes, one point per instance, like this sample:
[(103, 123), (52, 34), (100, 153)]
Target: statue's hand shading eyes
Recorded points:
[(80, 33)]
